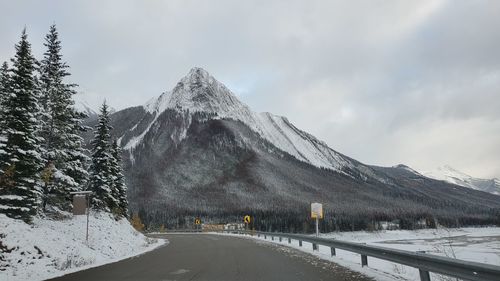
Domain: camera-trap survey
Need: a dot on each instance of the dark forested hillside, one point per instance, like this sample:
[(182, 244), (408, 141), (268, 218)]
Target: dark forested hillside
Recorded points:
[(192, 164)]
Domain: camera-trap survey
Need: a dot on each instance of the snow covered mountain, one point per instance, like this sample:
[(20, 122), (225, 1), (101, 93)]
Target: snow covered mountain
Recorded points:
[(200, 92), (451, 175), (84, 107), (197, 150)]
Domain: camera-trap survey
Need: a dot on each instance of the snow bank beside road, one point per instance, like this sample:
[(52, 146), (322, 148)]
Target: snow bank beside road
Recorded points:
[(472, 244), (51, 248)]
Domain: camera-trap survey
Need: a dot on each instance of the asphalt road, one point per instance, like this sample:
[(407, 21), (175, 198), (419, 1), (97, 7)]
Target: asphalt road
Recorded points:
[(212, 257)]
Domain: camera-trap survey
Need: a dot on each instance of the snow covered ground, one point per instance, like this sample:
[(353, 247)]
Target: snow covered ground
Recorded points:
[(51, 248), (473, 244)]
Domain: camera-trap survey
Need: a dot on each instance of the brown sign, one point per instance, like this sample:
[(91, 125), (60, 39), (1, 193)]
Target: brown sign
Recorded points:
[(79, 205)]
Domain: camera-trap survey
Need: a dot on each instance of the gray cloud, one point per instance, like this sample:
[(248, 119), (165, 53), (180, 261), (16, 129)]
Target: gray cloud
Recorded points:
[(413, 82)]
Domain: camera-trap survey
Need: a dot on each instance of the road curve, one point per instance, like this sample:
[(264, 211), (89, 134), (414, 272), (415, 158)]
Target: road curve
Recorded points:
[(212, 257)]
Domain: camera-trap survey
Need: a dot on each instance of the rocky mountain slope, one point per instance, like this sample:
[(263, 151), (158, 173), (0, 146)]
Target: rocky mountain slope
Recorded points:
[(198, 151)]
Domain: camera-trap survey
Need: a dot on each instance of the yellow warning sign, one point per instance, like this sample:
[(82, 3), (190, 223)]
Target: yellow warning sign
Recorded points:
[(316, 210), (197, 221), (247, 219)]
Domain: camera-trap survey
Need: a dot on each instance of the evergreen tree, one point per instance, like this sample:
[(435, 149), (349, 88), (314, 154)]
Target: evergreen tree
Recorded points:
[(65, 160), (4, 84), (21, 162), (4, 91), (119, 188), (101, 181)]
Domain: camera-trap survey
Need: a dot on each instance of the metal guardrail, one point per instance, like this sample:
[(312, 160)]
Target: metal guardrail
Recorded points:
[(425, 263)]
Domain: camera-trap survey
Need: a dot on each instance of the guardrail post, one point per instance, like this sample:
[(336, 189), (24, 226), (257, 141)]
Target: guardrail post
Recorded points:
[(265, 236), (315, 246), (332, 250), (289, 240), (280, 238), (300, 243), (424, 274), (258, 234), (364, 260), (272, 238)]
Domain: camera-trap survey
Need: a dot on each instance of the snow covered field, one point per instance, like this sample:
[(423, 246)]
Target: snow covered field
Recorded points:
[(52, 248), (472, 244)]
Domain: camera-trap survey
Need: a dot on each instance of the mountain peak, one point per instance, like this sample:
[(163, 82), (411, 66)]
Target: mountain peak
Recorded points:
[(200, 91), (197, 77), (198, 73)]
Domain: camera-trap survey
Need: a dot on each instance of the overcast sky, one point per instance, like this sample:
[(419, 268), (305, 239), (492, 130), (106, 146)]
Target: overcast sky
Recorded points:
[(385, 82)]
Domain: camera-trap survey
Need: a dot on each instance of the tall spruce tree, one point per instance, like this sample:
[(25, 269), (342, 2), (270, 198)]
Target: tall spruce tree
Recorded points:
[(4, 91), (119, 188), (101, 181), (4, 84), (22, 162), (65, 159)]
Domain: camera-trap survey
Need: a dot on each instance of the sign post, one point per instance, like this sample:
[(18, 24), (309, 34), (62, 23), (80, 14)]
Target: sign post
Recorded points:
[(317, 213)]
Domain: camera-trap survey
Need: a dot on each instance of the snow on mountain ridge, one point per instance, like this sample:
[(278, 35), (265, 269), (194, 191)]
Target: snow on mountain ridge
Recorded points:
[(407, 168), (198, 91), (83, 106), (451, 175), (449, 171)]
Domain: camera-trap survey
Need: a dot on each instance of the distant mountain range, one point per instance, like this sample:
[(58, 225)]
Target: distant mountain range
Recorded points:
[(198, 151), (82, 105), (451, 175)]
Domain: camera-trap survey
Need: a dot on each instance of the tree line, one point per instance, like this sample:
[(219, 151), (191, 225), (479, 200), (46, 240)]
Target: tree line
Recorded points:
[(42, 159), (299, 220)]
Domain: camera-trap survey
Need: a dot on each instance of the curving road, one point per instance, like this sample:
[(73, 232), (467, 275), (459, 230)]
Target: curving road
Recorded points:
[(213, 257)]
